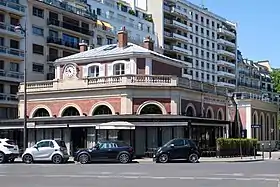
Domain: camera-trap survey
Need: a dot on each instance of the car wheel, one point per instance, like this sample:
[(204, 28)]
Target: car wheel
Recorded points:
[(83, 159), (28, 159), (124, 158), (57, 159), (2, 158), (193, 158), (163, 158)]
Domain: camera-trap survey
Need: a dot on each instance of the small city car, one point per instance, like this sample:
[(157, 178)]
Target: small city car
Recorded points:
[(176, 149), (47, 150), (9, 151), (106, 151)]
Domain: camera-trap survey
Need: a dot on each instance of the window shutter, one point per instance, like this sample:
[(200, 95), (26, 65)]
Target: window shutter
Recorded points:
[(85, 71), (127, 68), (102, 70), (110, 70)]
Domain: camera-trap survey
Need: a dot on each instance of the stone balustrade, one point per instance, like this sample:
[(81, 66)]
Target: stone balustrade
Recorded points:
[(122, 80)]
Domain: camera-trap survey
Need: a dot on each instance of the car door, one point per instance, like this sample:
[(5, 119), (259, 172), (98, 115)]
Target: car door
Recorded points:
[(41, 150), (178, 150), (101, 152), (113, 151)]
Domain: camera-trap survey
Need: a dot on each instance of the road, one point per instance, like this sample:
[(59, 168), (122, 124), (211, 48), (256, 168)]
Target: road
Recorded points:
[(255, 174)]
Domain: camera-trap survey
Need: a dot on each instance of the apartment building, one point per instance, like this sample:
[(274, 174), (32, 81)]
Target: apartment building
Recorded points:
[(12, 12), (57, 27), (204, 40), (138, 23)]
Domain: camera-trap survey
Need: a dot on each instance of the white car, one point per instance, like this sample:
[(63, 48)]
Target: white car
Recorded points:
[(8, 150), (47, 150)]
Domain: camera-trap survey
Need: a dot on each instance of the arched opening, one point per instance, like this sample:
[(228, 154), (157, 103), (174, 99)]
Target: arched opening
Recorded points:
[(254, 122), (274, 128), (261, 128), (102, 110), (70, 111), (220, 115), (209, 114), (151, 109), (41, 112), (267, 128), (190, 111)]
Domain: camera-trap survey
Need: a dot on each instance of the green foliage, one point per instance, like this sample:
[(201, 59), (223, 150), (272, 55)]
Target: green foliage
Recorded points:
[(131, 12), (275, 75), (234, 143)]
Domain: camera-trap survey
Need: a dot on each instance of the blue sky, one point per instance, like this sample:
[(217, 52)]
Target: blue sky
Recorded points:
[(258, 26)]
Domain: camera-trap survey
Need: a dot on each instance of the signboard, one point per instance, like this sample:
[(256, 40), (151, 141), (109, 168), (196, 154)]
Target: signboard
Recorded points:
[(256, 126)]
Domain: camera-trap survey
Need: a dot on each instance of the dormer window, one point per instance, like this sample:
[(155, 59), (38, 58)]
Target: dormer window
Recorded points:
[(119, 69), (93, 71)]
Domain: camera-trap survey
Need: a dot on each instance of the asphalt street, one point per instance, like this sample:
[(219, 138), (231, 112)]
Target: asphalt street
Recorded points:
[(255, 174)]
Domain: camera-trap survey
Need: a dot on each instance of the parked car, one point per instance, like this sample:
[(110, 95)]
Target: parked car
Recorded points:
[(9, 151), (179, 148), (106, 151), (46, 150)]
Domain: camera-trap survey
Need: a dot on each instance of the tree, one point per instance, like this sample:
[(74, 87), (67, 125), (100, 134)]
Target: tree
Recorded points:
[(275, 75)]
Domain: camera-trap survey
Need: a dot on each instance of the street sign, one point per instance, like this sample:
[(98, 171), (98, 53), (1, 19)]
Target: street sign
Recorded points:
[(256, 126)]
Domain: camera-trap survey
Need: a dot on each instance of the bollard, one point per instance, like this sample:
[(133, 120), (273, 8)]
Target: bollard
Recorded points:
[(263, 150), (269, 150)]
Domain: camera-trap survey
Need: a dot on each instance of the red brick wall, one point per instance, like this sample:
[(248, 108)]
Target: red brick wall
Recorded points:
[(165, 69), (164, 101), (84, 104)]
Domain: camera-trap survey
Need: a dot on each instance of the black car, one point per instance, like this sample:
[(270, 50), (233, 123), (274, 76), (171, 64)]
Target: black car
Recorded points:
[(179, 148), (106, 151)]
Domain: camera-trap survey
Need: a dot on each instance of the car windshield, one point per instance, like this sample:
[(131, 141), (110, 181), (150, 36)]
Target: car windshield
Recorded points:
[(168, 143), (11, 142), (60, 143)]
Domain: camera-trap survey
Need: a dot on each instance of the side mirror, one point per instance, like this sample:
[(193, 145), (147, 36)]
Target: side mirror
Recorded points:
[(35, 146), (172, 145), (96, 147)]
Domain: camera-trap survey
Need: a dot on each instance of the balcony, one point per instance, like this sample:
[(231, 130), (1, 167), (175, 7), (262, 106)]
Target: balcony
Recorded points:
[(226, 74), (11, 76), (12, 7), (154, 81), (226, 43), (69, 27), (182, 50), (60, 42), (6, 29), (225, 63), (249, 85), (178, 12), (8, 99), (181, 25), (11, 53), (182, 38), (225, 84), (106, 31), (71, 9), (226, 53), (226, 32)]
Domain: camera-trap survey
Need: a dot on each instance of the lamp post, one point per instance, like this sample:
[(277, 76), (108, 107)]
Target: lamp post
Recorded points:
[(271, 132), (23, 30)]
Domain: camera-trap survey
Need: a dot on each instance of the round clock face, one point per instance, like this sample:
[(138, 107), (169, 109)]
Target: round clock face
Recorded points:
[(70, 70)]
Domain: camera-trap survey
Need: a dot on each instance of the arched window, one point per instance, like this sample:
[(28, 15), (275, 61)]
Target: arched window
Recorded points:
[(93, 71), (209, 114), (41, 112), (190, 111), (70, 111), (267, 130), (220, 115), (151, 109), (102, 110), (119, 69), (254, 130), (262, 125)]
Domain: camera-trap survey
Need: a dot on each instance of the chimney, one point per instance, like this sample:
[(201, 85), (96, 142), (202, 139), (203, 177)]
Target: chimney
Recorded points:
[(83, 46), (122, 37), (148, 43)]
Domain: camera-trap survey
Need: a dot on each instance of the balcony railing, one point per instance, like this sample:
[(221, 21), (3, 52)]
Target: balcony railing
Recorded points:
[(11, 74), (264, 98), (124, 80), (90, 14), (12, 5), (8, 97), (60, 41), (9, 28), (250, 85), (11, 51), (70, 27)]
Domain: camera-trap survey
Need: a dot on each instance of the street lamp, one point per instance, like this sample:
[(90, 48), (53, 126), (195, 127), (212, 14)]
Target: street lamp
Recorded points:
[(271, 132), (23, 30)]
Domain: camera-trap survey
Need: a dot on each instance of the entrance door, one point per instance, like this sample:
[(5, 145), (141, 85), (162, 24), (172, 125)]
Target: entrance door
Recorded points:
[(78, 138)]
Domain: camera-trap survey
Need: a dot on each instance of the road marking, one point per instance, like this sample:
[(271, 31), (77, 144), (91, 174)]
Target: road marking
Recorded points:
[(146, 177), (133, 173), (267, 175), (229, 174)]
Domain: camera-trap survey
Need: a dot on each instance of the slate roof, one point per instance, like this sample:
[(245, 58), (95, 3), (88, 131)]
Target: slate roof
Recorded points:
[(113, 51)]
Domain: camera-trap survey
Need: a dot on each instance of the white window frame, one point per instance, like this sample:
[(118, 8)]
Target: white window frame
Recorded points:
[(95, 73), (120, 70)]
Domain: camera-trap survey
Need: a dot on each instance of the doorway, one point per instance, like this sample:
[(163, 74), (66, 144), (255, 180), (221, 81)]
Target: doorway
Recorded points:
[(78, 138)]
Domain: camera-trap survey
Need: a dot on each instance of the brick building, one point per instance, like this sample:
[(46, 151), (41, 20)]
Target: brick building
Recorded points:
[(123, 91)]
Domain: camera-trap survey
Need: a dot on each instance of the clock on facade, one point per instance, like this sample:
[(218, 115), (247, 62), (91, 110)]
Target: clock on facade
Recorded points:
[(70, 70)]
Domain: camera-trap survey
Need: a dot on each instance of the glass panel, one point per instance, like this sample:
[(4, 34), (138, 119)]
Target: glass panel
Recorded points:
[(166, 134), (113, 134), (57, 134), (101, 135), (152, 137)]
